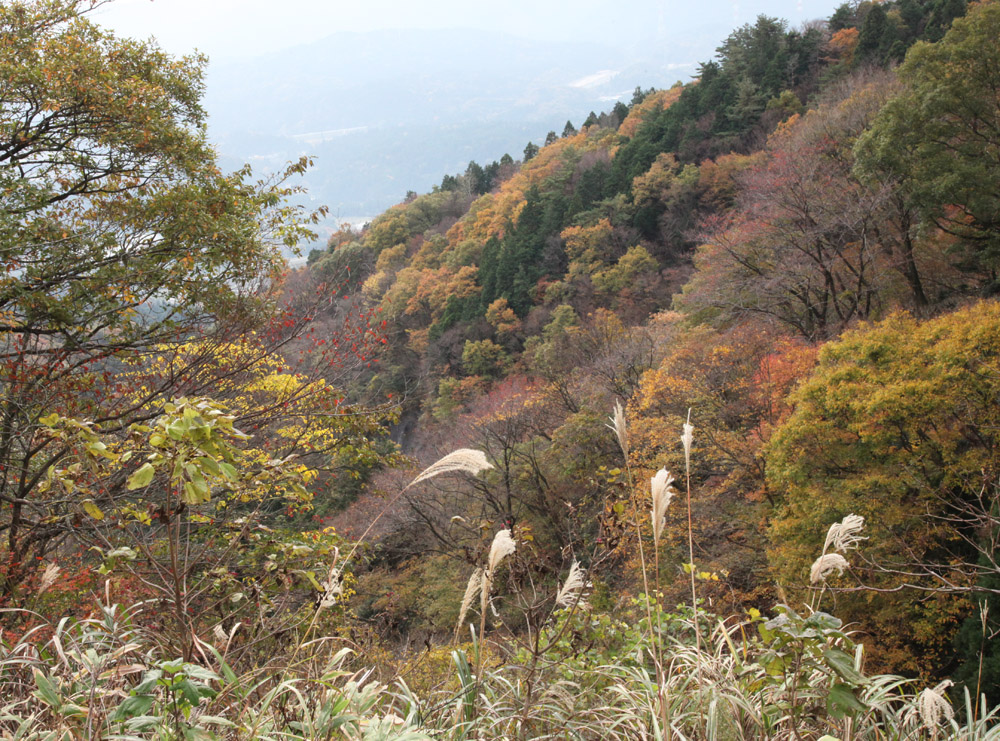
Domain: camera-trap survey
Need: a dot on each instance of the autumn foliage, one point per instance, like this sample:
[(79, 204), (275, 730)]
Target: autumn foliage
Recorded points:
[(793, 253)]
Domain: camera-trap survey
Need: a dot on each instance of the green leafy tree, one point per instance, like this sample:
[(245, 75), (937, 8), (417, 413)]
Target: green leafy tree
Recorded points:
[(484, 358), (939, 136), (620, 112), (878, 34), (119, 237)]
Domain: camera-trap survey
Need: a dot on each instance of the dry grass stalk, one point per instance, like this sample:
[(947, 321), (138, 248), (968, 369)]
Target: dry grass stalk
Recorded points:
[(826, 564), (687, 438), (573, 589)]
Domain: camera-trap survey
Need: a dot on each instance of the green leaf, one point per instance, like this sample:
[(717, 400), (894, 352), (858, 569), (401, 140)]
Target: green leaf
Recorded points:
[(843, 664), (210, 465), (72, 710), (311, 577), (133, 706), (214, 720), (195, 492), (98, 448), (142, 477), (47, 690), (178, 428), (187, 691), (841, 701)]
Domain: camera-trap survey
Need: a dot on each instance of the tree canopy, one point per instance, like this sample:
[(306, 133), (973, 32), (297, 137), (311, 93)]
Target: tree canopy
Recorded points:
[(897, 424), (119, 238), (940, 135)]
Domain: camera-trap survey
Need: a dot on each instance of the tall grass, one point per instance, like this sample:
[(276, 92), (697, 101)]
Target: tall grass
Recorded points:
[(640, 673)]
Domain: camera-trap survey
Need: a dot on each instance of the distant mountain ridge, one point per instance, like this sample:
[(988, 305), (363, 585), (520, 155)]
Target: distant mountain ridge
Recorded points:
[(380, 127)]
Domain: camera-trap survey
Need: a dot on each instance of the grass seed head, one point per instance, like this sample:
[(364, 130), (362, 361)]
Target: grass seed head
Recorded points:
[(934, 706), (687, 438), (662, 490), (503, 545), (844, 535), (471, 590), (619, 427), (463, 459), (826, 564), (573, 589)]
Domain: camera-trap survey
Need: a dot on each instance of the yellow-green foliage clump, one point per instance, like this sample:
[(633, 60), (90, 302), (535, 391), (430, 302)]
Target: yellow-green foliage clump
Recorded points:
[(898, 424)]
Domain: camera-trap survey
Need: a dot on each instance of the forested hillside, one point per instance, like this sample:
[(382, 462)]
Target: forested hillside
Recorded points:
[(260, 496), (696, 249)]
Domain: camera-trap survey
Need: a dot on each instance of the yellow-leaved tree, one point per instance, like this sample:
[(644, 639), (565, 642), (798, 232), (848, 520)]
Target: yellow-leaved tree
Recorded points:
[(898, 424)]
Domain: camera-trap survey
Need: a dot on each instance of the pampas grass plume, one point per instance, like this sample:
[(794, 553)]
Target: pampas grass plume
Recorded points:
[(662, 490), (619, 427), (934, 706), (825, 564), (686, 439), (471, 590), (843, 536), (463, 459), (49, 577), (572, 591), (503, 545)]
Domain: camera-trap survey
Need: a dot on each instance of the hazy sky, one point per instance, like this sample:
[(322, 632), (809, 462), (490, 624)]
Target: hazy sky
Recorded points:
[(233, 28)]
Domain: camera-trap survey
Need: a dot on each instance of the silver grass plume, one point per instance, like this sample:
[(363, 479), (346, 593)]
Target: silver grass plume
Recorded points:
[(333, 585), (572, 590), (333, 589), (843, 536), (686, 439), (471, 590), (619, 427), (503, 545), (934, 706), (826, 564), (222, 636), (463, 459), (662, 490), (49, 577)]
